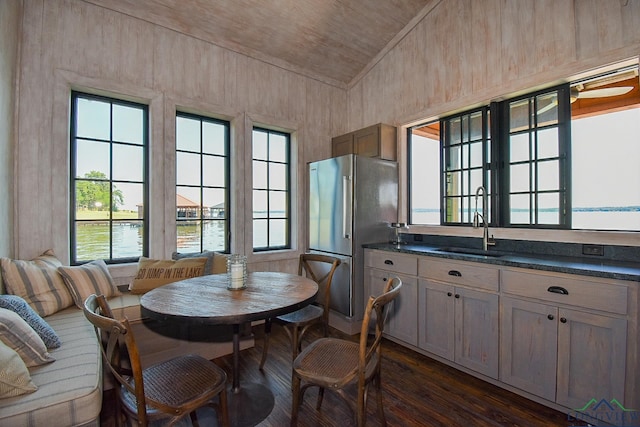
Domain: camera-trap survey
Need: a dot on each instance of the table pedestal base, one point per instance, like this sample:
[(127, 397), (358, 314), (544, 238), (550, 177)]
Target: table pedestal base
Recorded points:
[(250, 405)]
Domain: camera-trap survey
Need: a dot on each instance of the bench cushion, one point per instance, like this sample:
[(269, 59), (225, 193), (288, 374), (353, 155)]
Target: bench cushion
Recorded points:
[(69, 389)]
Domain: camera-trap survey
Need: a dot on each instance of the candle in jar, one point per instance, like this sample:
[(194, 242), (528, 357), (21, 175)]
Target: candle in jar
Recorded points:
[(236, 275)]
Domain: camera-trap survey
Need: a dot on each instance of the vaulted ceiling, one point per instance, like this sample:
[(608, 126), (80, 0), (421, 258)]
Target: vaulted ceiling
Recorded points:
[(335, 41)]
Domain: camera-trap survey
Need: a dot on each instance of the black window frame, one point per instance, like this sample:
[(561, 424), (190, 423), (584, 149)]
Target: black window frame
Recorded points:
[(267, 188), (495, 169), (564, 157), (75, 95), (465, 167), (227, 179)]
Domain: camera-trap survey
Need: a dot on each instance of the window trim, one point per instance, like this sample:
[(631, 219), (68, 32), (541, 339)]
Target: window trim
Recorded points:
[(289, 235), (74, 96)]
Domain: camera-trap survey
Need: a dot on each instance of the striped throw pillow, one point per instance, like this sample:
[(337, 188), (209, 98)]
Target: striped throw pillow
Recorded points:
[(90, 278), (17, 334), (37, 282)]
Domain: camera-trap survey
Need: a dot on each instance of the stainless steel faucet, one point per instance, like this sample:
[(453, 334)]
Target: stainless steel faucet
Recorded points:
[(486, 241)]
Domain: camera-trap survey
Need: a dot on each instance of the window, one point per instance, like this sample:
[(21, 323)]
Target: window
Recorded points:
[(202, 184), (109, 160), (424, 174), (271, 190), (466, 158), (561, 158), (535, 150)]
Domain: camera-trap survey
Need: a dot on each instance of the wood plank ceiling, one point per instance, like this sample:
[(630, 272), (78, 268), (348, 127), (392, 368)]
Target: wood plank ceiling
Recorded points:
[(334, 41)]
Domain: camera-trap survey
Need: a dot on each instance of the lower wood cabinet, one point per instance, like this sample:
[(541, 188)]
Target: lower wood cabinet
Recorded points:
[(563, 355), (403, 312), (569, 339), (402, 317), (591, 358), (459, 324), (529, 349)]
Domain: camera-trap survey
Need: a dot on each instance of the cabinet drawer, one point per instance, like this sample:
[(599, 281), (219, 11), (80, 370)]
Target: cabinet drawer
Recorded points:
[(567, 289), (460, 273), (390, 261)]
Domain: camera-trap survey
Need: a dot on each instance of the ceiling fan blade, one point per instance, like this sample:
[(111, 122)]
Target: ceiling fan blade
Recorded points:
[(605, 92), (547, 107)]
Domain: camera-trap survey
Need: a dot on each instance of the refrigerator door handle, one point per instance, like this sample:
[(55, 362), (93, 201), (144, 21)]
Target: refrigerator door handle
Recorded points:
[(346, 201)]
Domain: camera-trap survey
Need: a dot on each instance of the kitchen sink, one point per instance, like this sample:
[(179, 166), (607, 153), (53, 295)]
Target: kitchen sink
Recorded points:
[(471, 251)]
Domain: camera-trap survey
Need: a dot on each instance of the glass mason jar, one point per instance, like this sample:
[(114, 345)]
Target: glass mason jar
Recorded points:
[(237, 271)]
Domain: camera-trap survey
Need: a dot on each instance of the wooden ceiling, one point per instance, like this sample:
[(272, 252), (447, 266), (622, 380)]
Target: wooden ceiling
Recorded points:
[(334, 41)]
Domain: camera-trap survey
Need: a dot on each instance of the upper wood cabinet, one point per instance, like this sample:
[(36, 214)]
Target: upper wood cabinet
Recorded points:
[(373, 141)]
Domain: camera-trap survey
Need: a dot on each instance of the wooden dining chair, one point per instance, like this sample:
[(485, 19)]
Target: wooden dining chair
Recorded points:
[(334, 363), (168, 390), (320, 268)]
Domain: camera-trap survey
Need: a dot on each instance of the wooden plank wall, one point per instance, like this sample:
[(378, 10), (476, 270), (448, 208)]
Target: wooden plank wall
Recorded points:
[(9, 32), (72, 44), (465, 53)]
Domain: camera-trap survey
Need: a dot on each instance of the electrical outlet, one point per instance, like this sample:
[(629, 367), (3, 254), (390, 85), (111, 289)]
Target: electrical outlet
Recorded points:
[(593, 250)]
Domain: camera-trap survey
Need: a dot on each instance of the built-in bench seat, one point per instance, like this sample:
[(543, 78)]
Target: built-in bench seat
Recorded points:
[(70, 388)]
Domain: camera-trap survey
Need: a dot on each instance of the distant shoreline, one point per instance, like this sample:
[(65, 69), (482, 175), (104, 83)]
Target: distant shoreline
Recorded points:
[(582, 209)]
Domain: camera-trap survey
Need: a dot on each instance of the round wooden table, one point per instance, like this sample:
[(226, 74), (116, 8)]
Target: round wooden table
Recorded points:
[(206, 300)]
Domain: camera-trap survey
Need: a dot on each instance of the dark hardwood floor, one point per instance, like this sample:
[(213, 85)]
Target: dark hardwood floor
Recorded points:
[(417, 391)]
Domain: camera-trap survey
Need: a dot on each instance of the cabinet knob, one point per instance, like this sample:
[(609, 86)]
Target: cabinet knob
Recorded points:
[(388, 262), (457, 295), (449, 294), (455, 273), (563, 320), (550, 317)]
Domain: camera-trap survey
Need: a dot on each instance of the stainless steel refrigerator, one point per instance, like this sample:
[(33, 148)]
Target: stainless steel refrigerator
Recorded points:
[(352, 200)]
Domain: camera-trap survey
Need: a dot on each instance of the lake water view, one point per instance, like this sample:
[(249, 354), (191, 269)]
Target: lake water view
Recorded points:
[(92, 239), (625, 220)]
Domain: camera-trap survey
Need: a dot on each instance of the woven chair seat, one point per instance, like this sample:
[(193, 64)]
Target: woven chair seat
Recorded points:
[(334, 363), (330, 362), (310, 313), (166, 391), (177, 381)]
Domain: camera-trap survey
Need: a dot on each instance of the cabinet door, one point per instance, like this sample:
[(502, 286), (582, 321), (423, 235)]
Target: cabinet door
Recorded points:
[(436, 317), (402, 320), (366, 142), (529, 346), (591, 358), (342, 145), (476, 331)]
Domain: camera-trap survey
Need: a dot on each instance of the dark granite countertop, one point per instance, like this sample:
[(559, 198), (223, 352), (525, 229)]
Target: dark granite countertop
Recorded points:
[(605, 268)]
